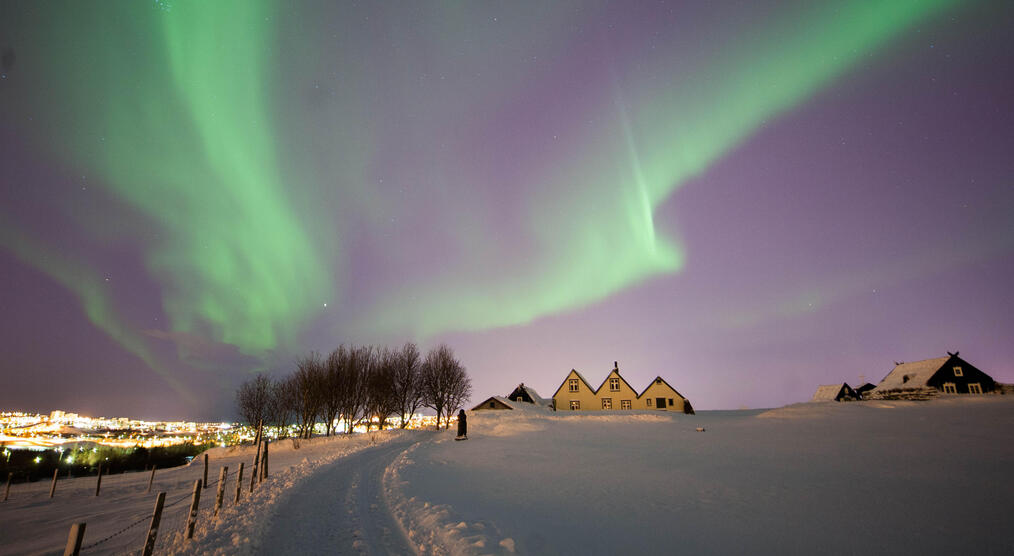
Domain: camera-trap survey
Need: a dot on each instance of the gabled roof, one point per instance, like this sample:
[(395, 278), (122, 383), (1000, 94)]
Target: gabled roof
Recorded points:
[(656, 379), (564, 383), (828, 392), (912, 375), (501, 399), (605, 380), (539, 400)]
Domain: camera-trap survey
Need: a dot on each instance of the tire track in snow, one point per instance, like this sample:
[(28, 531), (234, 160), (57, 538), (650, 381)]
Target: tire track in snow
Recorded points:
[(340, 510)]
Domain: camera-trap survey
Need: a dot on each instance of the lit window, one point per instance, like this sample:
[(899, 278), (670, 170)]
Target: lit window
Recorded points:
[(624, 404), (572, 384), (649, 402), (575, 405), (974, 388), (614, 385), (607, 403), (950, 388), (958, 371)]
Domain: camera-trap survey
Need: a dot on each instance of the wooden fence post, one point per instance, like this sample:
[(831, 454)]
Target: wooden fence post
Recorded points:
[(7, 491), (222, 476), (74, 540), (52, 489), (156, 517), (264, 461), (98, 482), (253, 475), (205, 469), (239, 483), (152, 478), (192, 519)]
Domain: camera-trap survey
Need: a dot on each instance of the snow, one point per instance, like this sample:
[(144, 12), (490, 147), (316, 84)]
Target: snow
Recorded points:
[(32, 523), (874, 476), (884, 477), (918, 373)]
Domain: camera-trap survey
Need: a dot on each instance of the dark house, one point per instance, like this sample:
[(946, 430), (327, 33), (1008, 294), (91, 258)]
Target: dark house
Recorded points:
[(526, 394), (862, 390), (495, 402), (947, 375), (523, 397)]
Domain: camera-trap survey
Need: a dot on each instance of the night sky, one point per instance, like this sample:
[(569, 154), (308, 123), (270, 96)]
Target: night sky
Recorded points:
[(747, 198)]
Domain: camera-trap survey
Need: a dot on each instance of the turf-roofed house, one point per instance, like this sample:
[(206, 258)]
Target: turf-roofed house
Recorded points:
[(931, 377), (523, 397), (840, 392)]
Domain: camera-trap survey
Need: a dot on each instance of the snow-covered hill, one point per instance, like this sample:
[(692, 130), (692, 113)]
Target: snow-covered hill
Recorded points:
[(856, 478)]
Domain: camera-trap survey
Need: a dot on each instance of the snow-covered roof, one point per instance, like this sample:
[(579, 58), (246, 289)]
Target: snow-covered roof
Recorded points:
[(539, 400), (523, 391), (827, 392), (501, 399), (918, 374)]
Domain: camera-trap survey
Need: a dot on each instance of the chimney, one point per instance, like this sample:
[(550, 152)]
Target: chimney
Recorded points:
[(616, 365)]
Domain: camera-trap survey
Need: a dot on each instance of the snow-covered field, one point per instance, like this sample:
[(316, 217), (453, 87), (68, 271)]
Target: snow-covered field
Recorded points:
[(856, 478)]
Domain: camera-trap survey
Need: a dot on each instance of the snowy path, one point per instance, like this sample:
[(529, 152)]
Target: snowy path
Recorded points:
[(340, 510)]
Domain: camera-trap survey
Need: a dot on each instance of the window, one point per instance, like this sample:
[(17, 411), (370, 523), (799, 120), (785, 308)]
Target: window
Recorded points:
[(492, 405), (974, 388), (572, 384), (670, 402), (614, 385), (607, 403), (950, 388), (624, 404), (649, 402), (958, 371), (575, 405)]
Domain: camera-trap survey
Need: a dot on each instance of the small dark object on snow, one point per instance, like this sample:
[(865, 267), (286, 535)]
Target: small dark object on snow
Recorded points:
[(700, 429), (462, 425)]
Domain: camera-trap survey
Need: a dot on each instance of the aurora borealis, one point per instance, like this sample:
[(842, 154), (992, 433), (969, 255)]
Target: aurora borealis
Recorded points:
[(749, 199)]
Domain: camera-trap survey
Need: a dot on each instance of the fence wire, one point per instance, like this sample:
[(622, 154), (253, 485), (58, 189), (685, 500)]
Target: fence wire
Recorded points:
[(175, 515)]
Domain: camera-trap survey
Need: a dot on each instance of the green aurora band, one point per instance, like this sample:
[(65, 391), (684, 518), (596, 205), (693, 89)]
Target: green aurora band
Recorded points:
[(178, 113)]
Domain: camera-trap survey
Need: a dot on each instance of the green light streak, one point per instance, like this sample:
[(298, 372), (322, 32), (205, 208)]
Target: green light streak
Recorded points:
[(177, 122), (175, 110), (593, 222)]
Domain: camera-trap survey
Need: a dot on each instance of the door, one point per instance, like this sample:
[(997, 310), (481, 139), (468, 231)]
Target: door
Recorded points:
[(660, 403)]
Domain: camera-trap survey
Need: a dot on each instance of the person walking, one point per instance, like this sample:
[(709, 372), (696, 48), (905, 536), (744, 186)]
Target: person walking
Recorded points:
[(462, 425)]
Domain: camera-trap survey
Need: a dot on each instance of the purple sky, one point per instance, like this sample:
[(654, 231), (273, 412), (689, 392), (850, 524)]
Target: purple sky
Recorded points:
[(446, 174)]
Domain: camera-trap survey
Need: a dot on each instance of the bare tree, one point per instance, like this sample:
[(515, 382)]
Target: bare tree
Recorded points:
[(407, 389), (445, 384), (380, 385), (252, 399), (308, 380), (352, 386), (334, 372), (281, 405), (458, 392)]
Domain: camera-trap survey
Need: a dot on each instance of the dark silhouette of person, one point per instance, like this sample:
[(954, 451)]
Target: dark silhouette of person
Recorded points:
[(462, 424)]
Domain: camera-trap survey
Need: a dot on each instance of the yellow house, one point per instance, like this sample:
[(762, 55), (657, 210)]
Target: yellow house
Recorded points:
[(615, 393), (575, 393), (659, 395)]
